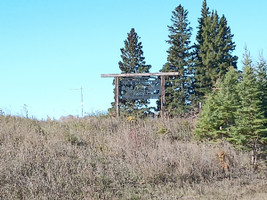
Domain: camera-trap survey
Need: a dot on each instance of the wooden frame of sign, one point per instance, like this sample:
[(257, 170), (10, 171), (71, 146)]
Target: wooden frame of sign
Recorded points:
[(162, 76)]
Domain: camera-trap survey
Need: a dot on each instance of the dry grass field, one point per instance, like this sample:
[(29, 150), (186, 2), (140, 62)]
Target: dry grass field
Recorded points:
[(103, 158)]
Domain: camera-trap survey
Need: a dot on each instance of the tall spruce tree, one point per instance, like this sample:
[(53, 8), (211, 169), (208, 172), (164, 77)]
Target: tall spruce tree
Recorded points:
[(225, 47), (133, 61), (213, 51), (201, 80), (178, 88)]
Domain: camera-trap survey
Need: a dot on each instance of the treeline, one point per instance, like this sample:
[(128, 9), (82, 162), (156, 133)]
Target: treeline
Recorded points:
[(201, 65), (234, 102)]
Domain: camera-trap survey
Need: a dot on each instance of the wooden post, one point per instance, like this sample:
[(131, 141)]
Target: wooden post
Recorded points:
[(117, 96), (162, 96)]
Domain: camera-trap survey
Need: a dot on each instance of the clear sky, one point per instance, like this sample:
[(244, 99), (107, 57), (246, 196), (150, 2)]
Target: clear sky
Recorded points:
[(50, 47)]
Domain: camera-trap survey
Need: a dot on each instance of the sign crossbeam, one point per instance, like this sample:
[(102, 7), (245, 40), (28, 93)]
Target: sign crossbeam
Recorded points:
[(140, 74), (131, 86)]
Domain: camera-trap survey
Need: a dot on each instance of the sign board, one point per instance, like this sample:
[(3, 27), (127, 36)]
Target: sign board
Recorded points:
[(133, 88), (140, 86)]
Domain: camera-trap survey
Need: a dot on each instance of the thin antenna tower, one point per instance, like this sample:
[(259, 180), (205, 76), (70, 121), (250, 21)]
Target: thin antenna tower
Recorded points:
[(81, 99)]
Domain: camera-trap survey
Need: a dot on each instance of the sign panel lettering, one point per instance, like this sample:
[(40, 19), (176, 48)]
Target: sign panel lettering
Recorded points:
[(133, 88)]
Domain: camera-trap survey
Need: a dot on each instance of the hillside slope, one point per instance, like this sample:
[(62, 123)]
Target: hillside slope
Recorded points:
[(104, 158)]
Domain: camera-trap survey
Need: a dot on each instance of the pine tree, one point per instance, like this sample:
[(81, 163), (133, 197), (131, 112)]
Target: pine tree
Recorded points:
[(229, 100), (178, 89), (261, 72), (200, 79), (217, 117), (225, 47), (133, 61), (250, 131), (205, 13), (234, 111), (208, 121), (212, 51)]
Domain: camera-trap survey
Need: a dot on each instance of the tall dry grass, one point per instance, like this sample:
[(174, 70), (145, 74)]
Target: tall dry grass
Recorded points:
[(104, 158)]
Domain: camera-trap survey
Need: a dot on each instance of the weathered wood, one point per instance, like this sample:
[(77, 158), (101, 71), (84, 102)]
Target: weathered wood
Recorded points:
[(140, 74), (117, 82), (162, 97)]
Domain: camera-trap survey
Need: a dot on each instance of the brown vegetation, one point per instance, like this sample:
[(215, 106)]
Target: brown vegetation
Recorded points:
[(224, 161), (104, 158)]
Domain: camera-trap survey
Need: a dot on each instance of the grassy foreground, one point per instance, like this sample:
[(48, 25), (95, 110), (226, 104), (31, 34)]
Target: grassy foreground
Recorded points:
[(104, 158)]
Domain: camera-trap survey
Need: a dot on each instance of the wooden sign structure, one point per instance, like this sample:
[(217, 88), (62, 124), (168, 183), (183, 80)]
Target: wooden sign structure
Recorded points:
[(148, 91)]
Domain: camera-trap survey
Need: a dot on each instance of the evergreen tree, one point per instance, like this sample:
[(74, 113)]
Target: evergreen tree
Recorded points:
[(201, 80), (133, 61), (261, 72), (202, 21), (235, 110), (229, 100), (212, 51), (250, 130), (208, 122), (178, 88), (217, 117), (225, 47)]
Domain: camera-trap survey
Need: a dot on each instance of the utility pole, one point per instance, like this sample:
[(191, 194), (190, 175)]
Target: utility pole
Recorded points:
[(81, 99)]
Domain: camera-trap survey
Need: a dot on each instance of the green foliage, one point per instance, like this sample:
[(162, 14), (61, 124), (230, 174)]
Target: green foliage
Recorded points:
[(261, 73), (206, 72), (132, 57), (179, 60), (228, 101), (251, 129), (235, 110), (218, 116), (212, 52), (133, 61)]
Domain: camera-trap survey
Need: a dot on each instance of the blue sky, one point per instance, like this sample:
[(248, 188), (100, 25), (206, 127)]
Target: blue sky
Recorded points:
[(50, 47)]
